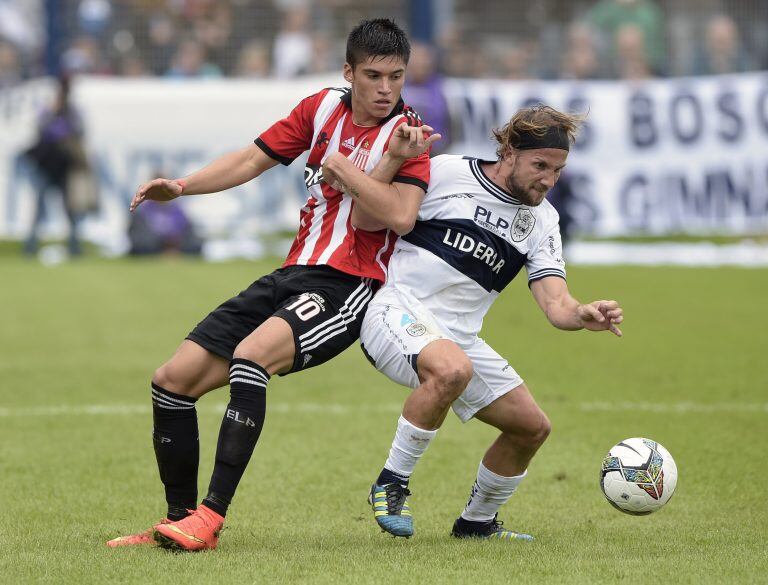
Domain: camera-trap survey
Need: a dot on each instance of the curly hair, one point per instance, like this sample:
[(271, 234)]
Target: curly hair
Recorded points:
[(535, 120)]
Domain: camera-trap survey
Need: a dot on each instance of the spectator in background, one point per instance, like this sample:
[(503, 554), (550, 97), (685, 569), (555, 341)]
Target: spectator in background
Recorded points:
[(253, 61), (512, 60), (21, 24), (162, 33), (214, 29), (580, 58), (292, 52), (94, 17), (723, 50), (84, 55), (611, 17), (162, 228), (58, 156), (631, 58), (10, 65), (131, 64), (423, 90), (190, 61), (324, 54)]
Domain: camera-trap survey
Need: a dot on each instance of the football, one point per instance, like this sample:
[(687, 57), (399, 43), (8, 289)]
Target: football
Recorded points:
[(638, 476)]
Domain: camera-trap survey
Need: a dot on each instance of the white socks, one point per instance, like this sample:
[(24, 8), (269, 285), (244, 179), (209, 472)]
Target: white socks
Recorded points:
[(489, 493), (409, 444)]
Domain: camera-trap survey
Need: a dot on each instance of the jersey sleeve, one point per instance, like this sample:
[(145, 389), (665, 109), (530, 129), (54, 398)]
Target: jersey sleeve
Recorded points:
[(546, 259), (415, 171), (286, 139)]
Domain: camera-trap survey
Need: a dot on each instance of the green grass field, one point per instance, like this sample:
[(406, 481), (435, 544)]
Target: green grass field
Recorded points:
[(80, 341)]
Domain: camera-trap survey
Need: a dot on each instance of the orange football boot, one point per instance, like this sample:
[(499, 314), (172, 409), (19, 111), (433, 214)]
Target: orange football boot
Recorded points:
[(198, 531), (135, 539)]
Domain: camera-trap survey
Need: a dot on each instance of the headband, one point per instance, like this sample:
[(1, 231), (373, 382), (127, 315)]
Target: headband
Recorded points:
[(554, 137)]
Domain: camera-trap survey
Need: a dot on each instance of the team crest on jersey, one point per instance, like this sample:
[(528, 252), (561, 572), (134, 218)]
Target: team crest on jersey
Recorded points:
[(522, 225), (416, 330), (361, 156)]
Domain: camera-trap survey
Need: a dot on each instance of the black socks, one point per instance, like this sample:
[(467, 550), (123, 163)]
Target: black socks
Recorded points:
[(176, 448), (240, 430)]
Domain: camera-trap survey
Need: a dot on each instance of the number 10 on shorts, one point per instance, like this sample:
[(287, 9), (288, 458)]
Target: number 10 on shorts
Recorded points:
[(307, 306)]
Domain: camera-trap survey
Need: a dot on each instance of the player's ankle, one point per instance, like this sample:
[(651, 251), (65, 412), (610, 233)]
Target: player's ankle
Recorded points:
[(217, 504), (388, 476)]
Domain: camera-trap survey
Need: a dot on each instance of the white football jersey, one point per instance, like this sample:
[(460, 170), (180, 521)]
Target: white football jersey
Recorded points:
[(470, 240)]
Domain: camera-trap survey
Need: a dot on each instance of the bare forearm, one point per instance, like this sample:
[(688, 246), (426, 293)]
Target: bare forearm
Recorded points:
[(227, 171), (561, 309), (564, 314), (378, 203)]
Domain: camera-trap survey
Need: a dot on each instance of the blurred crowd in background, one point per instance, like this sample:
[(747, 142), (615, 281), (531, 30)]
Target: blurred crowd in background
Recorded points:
[(507, 39)]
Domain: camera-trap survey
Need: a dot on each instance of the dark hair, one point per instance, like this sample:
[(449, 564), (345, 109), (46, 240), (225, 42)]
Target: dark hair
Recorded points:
[(379, 37)]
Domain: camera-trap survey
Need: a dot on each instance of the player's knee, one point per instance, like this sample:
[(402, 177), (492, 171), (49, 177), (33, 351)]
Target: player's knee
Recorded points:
[(168, 378), (541, 431), (536, 431), (452, 377), (529, 434), (272, 359)]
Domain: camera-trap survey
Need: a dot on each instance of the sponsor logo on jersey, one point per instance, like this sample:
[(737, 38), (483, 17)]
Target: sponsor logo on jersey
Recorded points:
[(494, 223), (349, 143), (307, 357), (480, 250), (313, 174), (522, 225), (405, 319), (456, 196)]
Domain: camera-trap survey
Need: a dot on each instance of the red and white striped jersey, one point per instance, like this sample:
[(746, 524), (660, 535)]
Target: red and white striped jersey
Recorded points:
[(322, 123)]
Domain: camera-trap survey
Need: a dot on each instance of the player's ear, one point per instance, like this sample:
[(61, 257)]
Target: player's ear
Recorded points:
[(348, 73)]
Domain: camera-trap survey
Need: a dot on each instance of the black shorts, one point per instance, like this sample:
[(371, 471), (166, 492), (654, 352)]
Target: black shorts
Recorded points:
[(323, 306)]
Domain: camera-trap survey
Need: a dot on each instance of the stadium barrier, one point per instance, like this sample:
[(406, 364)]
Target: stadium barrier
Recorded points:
[(682, 155)]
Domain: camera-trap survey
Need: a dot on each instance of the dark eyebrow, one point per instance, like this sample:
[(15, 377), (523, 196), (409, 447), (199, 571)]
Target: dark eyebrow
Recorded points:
[(367, 70)]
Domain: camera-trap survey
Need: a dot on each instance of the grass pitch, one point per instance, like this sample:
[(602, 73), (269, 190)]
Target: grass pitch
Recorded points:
[(80, 341)]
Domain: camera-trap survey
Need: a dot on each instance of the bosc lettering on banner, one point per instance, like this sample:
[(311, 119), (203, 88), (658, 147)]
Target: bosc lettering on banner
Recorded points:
[(660, 156), (664, 156)]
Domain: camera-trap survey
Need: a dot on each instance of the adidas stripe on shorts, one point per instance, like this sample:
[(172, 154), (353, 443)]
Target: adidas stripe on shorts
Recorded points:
[(323, 306)]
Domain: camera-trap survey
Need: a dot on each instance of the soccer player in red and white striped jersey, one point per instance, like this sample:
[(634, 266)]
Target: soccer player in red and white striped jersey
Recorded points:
[(310, 309)]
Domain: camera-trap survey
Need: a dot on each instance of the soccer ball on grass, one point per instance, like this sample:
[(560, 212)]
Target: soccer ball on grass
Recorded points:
[(638, 476)]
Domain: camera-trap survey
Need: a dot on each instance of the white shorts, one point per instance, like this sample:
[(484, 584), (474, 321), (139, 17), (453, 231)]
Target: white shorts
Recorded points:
[(392, 337)]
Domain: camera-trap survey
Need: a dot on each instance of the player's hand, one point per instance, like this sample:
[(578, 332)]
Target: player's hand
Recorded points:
[(411, 141), (157, 190), (601, 316), (333, 162)]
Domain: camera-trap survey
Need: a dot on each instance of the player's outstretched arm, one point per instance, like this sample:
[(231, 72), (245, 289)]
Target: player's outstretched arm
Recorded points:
[(380, 204), (565, 312), (227, 171)]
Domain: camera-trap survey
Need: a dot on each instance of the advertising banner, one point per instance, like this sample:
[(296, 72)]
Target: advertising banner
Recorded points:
[(667, 156)]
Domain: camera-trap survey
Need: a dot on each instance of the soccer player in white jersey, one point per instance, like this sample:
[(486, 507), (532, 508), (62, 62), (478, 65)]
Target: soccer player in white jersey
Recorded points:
[(479, 224), (304, 313)]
